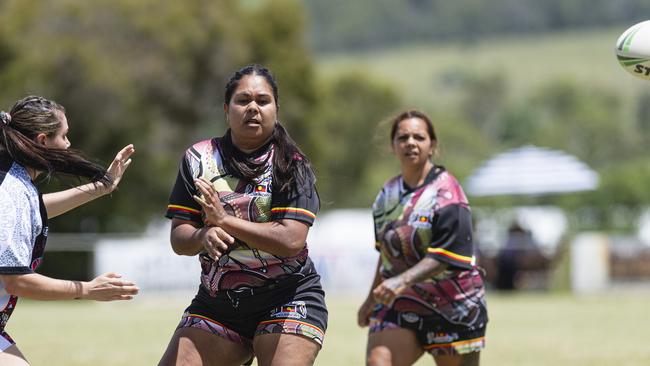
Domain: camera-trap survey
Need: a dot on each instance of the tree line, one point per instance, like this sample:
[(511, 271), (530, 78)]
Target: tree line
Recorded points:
[(341, 25), (152, 73)]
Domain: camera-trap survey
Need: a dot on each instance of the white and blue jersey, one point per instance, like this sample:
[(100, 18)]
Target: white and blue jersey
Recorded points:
[(23, 232)]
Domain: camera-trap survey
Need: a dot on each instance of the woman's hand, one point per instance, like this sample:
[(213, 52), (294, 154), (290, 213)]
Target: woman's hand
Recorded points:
[(363, 315), (387, 290), (390, 288), (108, 287), (213, 211), (216, 241), (119, 165)]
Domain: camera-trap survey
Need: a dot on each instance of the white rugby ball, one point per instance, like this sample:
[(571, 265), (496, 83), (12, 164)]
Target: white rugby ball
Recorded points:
[(633, 50)]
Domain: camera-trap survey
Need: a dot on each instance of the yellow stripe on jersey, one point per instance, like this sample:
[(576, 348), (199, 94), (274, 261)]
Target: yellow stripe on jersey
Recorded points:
[(293, 210), (446, 253), (183, 208)]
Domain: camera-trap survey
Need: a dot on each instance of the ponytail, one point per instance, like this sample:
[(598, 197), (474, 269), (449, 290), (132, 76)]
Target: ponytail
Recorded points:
[(291, 167), (31, 116)]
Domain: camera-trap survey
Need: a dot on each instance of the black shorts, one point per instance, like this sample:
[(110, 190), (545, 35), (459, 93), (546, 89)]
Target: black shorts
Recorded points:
[(435, 334), (293, 305)]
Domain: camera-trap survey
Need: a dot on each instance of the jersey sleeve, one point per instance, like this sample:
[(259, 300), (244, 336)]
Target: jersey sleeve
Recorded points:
[(298, 204), (452, 237), (378, 210), (181, 204), (15, 237)]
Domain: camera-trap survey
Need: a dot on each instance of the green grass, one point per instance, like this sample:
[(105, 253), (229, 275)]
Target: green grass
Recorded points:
[(524, 329), (526, 62)]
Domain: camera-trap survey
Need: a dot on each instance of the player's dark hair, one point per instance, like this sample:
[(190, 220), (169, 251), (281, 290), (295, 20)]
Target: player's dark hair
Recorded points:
[(412, 113), (34, 115), (291, 167)]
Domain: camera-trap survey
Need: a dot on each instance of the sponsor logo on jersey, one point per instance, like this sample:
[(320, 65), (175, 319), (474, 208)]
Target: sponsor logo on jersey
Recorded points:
[(421, 220)]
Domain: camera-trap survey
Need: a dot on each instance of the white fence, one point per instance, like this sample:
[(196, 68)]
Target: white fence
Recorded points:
[(341, 244)]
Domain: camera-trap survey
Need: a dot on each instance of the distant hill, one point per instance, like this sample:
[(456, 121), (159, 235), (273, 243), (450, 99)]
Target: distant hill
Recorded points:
[(428, 73), (370, 24)]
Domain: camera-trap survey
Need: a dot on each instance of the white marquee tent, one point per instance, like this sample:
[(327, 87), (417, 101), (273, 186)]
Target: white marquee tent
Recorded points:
[(531, 170)]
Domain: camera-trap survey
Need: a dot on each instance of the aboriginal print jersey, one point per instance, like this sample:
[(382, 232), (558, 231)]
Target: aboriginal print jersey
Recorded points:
[(432, 220), (242, 266), (23, 229)]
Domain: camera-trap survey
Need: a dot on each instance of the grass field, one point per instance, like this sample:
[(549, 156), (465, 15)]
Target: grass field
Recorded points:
[(419, 71), (525, 329)]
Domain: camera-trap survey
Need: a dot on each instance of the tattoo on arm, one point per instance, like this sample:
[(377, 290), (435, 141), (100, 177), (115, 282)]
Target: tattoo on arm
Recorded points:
[(425, 268)]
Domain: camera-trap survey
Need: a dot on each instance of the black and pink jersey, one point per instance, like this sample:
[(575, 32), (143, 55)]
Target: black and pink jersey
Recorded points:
[(23, 232), (432, 220), (256, 201)]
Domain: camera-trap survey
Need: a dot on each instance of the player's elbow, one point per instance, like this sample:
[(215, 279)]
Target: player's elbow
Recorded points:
[(292, 239), (181, 245), (177, 250), (181, 248)]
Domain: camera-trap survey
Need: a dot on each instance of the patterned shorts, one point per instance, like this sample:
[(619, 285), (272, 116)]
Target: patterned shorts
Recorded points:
[(435, 334), (295, 306)]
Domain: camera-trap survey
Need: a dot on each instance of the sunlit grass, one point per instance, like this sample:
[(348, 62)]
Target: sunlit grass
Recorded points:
[(524, 329)]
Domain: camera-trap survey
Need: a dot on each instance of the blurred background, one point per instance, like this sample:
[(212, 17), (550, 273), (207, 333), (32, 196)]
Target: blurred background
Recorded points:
[(546, 132)]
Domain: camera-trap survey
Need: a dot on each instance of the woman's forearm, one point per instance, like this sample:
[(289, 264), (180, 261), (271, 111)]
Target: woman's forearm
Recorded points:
[(185, 239), (424, 269), (284, 238), (38, 287), (106, 287), (61, 202)]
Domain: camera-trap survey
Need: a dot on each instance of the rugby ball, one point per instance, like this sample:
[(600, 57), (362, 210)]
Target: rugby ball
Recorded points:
[(633, 50)]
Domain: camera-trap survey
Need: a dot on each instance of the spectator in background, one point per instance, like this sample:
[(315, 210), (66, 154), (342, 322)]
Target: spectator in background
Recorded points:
[(33, 142), (244, 204), (519, 253), (427, 294)]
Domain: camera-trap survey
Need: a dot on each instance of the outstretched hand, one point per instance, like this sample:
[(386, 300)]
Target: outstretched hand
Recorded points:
[(213, 210), (119, 165), (108, 287)]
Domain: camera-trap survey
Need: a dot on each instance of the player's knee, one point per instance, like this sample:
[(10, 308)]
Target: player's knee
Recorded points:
[(379, 356)]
